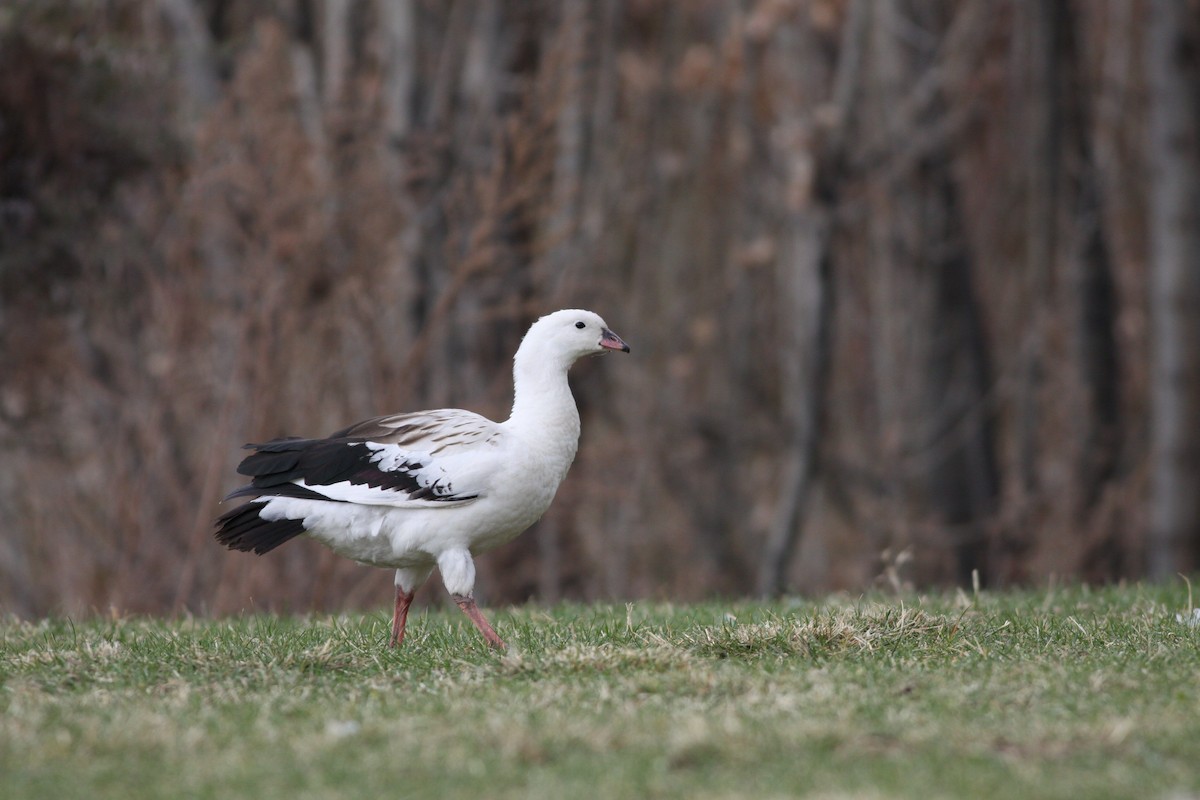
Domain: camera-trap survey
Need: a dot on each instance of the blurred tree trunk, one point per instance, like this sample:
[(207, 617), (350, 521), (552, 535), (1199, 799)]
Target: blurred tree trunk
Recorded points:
[(400, 279), (1043, 154), (945, 421), (194, 62), (1173, 77), (1069, 369), (1091, 281), (198, 90), (560, 231), (807, 277), (963, 476)]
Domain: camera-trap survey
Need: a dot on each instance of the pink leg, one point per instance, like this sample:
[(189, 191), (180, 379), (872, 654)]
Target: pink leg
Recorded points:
[(467, 604), (400, 614)]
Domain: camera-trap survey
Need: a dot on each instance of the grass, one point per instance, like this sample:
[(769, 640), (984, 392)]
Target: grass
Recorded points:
[(1066, 693)]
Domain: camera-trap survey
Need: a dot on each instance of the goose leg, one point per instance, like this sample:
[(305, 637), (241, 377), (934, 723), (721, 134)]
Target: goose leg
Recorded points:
[(400, 614), (458, 575), (467, 603), (408, 580)]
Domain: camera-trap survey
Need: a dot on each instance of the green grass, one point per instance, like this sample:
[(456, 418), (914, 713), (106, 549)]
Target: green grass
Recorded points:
[(1068, 693)]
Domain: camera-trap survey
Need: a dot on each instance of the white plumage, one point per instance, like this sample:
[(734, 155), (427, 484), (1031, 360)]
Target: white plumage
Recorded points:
[(432, 488)]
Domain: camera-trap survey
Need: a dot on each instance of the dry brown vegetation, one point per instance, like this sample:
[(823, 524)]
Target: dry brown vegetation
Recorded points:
[(883, 266)]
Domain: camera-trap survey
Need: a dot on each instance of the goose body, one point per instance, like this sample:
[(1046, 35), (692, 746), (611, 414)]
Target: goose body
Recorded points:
[(432, 488)]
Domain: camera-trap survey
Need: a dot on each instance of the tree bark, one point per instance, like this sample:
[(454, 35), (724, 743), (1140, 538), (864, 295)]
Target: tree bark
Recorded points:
[(195, 65), (1095, 356), (1174, 154), (560, 234), (940, 385), (809, 302), (963, 476)]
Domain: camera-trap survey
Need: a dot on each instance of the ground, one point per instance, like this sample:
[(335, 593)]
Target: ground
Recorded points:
[(1058, 693)]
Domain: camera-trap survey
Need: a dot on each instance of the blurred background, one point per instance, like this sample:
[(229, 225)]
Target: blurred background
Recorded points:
[(912, 286)]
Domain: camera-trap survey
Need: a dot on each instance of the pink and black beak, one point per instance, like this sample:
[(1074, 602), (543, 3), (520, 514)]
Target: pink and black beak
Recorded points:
[(610, 341)]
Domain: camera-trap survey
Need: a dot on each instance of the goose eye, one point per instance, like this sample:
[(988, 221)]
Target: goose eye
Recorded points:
[(579, 325)]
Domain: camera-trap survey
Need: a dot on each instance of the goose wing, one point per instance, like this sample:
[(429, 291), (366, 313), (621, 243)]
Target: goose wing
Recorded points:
[(425, 459)]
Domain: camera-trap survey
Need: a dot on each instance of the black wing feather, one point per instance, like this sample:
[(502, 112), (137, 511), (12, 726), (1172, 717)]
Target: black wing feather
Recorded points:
[(268, 463), (318, 462), (282, 490), (243, 529)]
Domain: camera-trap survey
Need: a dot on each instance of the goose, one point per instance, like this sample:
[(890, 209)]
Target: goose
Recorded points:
[(432, 488)]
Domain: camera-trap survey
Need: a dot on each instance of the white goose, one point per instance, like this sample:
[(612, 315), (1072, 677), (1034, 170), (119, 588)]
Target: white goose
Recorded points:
[(411, 491)]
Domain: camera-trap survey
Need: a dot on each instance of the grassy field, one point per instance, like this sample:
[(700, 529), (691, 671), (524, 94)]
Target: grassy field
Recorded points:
[(1066, 693)]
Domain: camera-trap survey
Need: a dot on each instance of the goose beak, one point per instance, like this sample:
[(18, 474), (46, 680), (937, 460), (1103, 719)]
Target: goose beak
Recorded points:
[(610, 341)]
